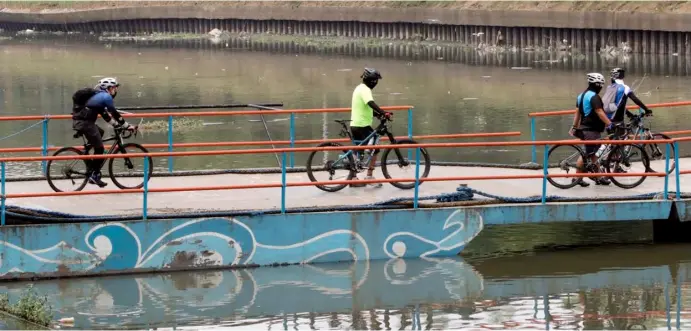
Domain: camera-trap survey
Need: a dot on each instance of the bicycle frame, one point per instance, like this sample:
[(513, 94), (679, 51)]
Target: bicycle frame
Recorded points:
[(374, 137), (600, 158), (118, 142)]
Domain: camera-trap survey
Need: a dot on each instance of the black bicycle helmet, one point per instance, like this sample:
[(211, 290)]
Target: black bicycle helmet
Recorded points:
[(617, 73), (370, 74)]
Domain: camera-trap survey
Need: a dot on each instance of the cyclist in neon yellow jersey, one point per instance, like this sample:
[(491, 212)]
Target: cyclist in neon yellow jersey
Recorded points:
[(363, 109)]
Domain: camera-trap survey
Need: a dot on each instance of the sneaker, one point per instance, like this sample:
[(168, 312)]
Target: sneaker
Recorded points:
[(581, 182), (96, 180), (357, 184), (602, 181), (375, 185)]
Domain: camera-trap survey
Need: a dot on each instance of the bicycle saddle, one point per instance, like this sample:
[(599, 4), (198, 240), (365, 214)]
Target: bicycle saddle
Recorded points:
[(342, 121)]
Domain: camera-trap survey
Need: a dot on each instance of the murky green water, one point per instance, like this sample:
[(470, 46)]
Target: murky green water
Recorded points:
[(454, 91), (640, 287)]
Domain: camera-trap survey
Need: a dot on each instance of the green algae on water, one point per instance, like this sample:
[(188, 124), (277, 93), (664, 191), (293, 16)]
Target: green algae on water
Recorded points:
[(179, 124), (30, 307)]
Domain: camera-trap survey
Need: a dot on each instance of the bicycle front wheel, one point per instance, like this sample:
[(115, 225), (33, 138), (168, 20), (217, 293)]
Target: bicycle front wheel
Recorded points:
[(329, 165), (128, 172), (405, 160), (67, 175), (627, 159), (657, 152), (564, 157)]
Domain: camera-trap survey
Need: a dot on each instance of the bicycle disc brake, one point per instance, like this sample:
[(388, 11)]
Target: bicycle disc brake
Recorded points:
[(67, 171), (129, 164), (329, 168), (563, 165)]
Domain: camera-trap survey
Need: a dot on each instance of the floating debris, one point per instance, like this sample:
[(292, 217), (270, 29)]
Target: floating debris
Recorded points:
[(395, 93), (212, 123), (469, 98), (521, 68), (345, 69), (66, 320), (486, 76), (215, 33)]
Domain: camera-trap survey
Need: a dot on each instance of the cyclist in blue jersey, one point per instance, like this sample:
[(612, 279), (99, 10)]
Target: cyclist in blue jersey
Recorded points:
[(622, 95), (100, 101), (590, 121)]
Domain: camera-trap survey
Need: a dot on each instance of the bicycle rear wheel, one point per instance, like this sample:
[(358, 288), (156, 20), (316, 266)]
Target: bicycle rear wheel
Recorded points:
[(565, 157), (131, 175), (328, 165), (627, 159), (67, 175), (406, 166)]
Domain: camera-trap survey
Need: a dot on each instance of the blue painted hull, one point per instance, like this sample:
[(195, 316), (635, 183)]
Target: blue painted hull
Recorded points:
[(117, 247)]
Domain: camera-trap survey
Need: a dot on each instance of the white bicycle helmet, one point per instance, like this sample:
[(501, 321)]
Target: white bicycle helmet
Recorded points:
[(596, 78), (107, 82)]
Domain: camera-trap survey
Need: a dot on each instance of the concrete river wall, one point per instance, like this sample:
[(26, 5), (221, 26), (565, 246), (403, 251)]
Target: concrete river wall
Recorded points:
[(661, 33)]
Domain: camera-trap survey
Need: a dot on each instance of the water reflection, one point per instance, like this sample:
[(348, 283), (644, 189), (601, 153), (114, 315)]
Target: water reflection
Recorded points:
[(617, 288), (636, 64)]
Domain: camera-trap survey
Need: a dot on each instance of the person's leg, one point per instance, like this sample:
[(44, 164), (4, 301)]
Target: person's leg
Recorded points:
[(370, 168), (94, 135), (591, 151), (580, 164), (359, 135)]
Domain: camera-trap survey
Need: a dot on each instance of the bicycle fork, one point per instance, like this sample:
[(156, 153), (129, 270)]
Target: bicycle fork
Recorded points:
[(401, 160)]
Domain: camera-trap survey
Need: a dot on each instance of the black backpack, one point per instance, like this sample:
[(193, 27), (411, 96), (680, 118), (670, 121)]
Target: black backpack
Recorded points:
[(81, 97)]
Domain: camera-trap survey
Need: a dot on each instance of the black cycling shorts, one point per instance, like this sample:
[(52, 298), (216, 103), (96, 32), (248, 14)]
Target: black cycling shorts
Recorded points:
[(589, 135), (361, 133)]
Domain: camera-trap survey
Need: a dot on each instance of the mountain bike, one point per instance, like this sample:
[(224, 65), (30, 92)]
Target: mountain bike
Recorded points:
[(610, 159), (75, 171), (352, 162), (637, 130)]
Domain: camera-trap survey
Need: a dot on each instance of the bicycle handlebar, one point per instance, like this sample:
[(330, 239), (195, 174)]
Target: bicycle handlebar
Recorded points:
[(125, 134)]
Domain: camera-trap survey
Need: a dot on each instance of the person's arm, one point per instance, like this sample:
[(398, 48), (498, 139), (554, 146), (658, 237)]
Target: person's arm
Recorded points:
[(596, 103), (378, 111), (369, 100), (639, 103), (576, 122), (109, 110)]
